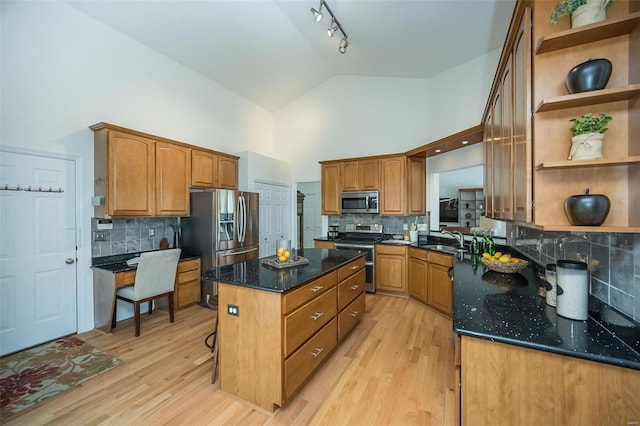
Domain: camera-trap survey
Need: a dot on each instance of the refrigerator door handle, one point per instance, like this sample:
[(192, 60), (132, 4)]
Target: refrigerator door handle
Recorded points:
[(239, 252), (242, 218)]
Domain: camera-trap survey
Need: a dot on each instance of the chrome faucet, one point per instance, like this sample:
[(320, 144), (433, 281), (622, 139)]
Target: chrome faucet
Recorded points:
[(459, 238)]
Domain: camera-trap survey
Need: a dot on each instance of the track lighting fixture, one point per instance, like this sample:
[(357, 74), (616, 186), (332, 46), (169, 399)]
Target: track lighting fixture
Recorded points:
[(318, 13), (335, 25), (343, 45)]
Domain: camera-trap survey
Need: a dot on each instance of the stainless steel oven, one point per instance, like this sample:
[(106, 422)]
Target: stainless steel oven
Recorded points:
[(363, 238), (359, 202)]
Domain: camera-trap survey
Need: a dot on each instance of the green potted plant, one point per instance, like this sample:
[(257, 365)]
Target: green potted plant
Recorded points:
[(587, 136), (582, 12)]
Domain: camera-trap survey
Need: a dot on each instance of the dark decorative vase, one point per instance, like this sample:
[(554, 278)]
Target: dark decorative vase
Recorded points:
[(587, 209), (590, 75)]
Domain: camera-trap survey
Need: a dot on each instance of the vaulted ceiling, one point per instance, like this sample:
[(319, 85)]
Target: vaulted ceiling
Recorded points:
[(272, 51)]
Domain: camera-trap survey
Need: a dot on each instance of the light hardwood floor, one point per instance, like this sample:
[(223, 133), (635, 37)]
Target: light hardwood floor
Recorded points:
[(396, 368)]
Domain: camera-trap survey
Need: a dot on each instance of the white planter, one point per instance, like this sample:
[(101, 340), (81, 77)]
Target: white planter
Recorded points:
[(586, 147), (590, 13)]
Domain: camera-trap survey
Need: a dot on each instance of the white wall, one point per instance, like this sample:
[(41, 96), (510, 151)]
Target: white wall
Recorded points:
[(63, 71), (350, 116)]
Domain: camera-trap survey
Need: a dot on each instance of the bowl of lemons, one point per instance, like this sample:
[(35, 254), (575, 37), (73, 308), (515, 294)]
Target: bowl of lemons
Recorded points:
[(503, 262)]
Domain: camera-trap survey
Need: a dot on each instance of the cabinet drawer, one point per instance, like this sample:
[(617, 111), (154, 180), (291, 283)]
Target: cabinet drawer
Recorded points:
[(351, 315), (302, 295), (418, 253), (347, 270), (193, 275), (124, 279), (301, 324), (188, 265), (187, 293), (302, 363), (440, 259), (389, 249), (350, 288)]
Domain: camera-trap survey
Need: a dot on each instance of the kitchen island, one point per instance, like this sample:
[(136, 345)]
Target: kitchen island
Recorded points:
[(518, 362), (277, 325)]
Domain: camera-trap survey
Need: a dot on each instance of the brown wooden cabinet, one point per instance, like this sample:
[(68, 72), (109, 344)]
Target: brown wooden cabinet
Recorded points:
[(124, 172), (187, 291), (324, 244), (440, 282), (330, 184), (496, 381), (360, 175), (204, 169), (528, 174), (227, 172), (418, 274), (173, 177), (391, 268), (268, 361), (403, 186)]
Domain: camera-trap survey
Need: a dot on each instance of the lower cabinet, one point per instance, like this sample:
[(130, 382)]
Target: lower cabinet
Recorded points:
[(187, 290), (391, 268), (295, 333), (324, 244), (418, 274), (440, 282), (502, 384)]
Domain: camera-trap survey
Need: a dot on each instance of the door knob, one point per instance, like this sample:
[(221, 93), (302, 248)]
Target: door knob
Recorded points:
[(69, 261)]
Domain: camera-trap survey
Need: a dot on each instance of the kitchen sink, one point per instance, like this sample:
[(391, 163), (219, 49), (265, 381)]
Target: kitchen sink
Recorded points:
[(444, 248)]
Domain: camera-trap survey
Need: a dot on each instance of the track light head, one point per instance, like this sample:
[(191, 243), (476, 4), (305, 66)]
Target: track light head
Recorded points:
[(343, 45), (332, 29), (317, 14)]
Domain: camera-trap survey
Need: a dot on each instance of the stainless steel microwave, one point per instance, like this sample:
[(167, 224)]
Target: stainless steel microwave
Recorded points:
[(359, 202)]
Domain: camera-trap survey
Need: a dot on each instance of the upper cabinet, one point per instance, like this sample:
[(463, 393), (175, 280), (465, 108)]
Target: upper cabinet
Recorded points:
[(527, 122), (137, 174), (403, 186), (173, 176), (360, 175), (330, 184)]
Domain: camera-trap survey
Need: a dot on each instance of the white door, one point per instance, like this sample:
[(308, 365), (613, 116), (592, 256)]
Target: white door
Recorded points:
[(274, 216), (311, 228), (37, 250)]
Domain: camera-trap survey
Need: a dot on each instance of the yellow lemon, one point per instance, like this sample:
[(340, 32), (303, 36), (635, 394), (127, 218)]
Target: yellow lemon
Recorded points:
[(515, 260), (504, 259), (287, 254), (487, 256), (282, 258), (280, 251), (498, 255)]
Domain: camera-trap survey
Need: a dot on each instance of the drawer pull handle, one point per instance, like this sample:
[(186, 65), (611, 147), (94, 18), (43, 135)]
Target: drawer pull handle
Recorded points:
[(354, 267), (354, 287), (354, 314), (317, 315), (317, 352), (316, 288)]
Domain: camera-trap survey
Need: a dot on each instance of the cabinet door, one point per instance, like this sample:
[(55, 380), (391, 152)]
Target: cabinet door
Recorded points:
[(391, 273), (227, 172), (130, 179), (417, 186), (369, 175), (204, 169), (330, 189), (488, 165), (506, 144), (173, 176), (393, 186), (440, 288), (187, 291), (521, 121), (349, 175), (418, 279), (497, 168)]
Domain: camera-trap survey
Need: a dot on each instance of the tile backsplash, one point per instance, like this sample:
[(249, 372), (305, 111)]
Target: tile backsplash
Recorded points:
[(613, 259), (390, 224), (130, 235)]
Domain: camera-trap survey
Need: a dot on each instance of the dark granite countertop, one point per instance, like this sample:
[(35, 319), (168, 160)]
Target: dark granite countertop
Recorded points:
[(255, 274), (507, 308), (118, 262)]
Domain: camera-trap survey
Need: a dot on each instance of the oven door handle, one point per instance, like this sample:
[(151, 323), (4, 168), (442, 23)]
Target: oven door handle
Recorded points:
[(353, 246)]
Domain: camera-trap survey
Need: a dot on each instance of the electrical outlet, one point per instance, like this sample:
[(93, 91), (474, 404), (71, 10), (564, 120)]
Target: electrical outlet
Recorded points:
[(233, 310), (99, 236), (152, 232)]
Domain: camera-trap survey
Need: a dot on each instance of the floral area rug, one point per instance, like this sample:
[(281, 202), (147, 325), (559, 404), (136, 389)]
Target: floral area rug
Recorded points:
[(35, 374)]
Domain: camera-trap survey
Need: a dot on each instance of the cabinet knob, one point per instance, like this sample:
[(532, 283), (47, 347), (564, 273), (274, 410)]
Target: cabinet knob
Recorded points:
[(354, 287), (317, 315), (317, 352), (316, 288), (354, 314)]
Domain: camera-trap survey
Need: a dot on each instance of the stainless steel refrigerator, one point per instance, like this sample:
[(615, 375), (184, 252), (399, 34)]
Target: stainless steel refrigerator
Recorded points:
[(223, 230)]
